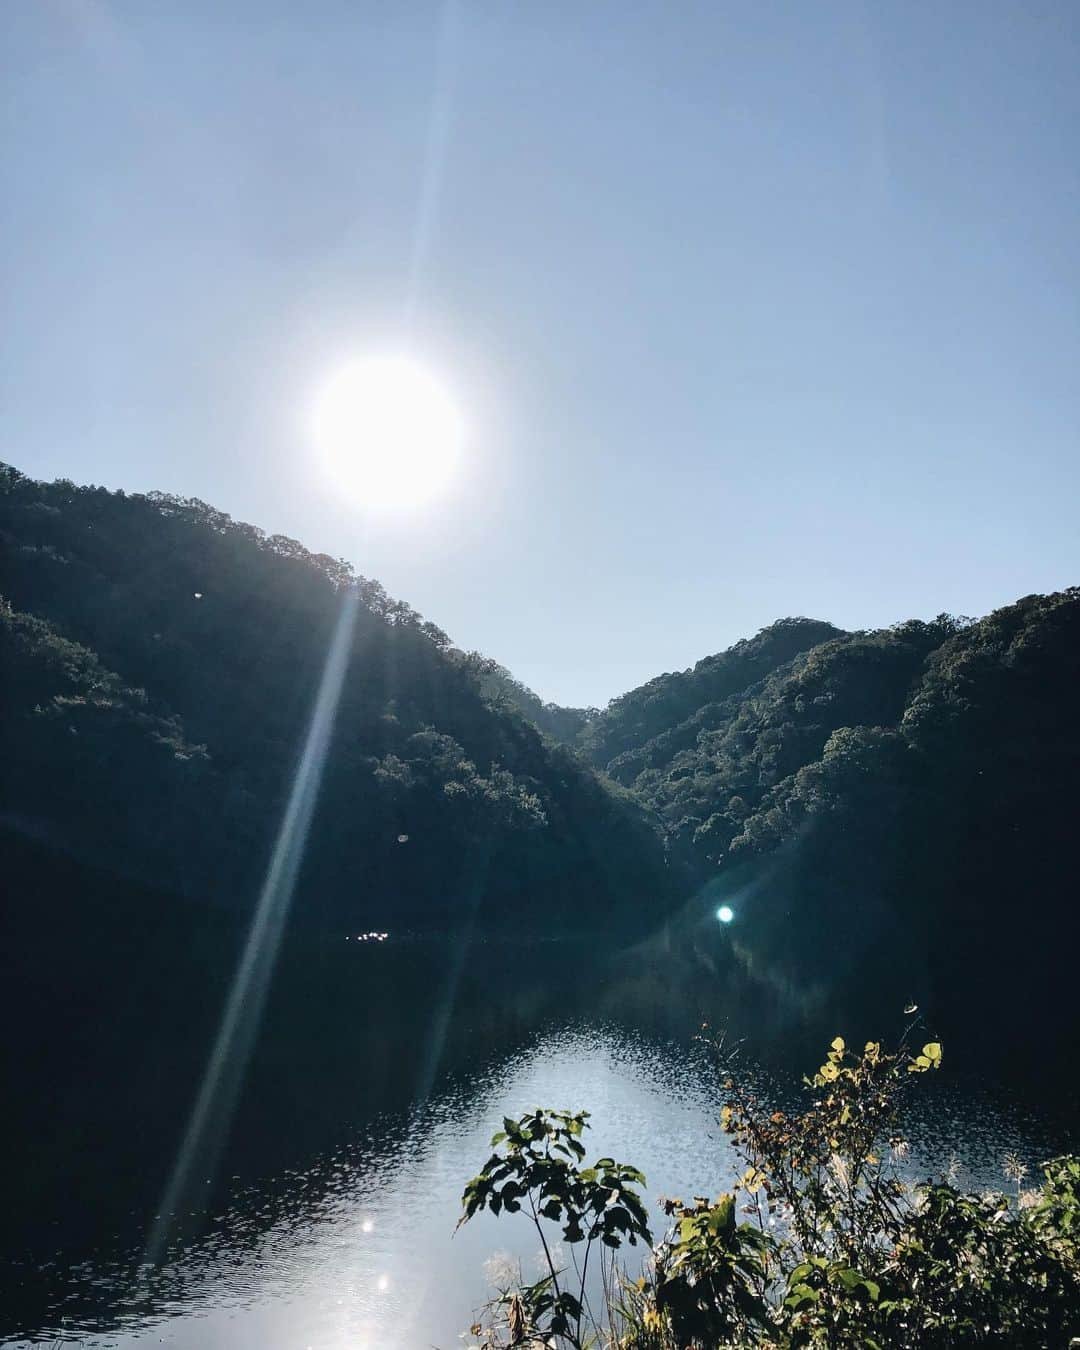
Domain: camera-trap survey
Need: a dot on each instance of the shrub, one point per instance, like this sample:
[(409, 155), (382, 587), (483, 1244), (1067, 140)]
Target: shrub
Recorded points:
[(820, 1243)]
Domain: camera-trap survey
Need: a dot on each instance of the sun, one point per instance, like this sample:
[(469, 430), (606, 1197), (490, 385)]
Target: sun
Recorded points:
[(388, 431)]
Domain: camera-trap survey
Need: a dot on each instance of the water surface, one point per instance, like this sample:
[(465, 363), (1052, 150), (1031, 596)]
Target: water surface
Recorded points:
[(370, 1100)]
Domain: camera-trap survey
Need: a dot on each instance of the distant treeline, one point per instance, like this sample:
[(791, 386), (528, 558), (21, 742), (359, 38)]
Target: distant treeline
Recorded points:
[(897, 805), (884, 810), (160, 663)]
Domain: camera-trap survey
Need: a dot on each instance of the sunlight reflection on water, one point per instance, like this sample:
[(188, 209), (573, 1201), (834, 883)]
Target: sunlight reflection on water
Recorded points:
[(358, 1249)]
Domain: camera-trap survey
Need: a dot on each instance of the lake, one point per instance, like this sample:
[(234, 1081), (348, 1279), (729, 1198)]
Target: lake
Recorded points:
[(378, 1075)]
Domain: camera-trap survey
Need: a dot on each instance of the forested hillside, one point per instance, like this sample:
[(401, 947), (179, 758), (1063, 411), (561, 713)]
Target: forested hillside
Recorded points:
[(501, 686), (890, 810), (740, 724), (647, 727), (160, 665)]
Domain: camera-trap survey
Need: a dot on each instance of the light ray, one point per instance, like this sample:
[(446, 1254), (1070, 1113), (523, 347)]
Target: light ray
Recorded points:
[(438, 131), (442, 1014), (211, 1115)]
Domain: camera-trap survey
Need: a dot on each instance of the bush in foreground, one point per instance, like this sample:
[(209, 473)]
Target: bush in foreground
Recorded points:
[(821, 1243)]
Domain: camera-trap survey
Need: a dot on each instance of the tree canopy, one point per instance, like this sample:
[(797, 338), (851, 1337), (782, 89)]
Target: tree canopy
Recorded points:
[(161, 663), (896, 803)]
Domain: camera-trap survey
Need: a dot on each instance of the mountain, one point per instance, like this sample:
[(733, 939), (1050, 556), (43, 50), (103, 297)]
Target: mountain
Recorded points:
[(705, 748), (499, 685), (888, 812), (889, 815), (161, 663), (647, 727)]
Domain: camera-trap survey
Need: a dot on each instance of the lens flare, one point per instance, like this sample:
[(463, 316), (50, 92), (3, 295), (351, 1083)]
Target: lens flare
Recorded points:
[(211, 1115)]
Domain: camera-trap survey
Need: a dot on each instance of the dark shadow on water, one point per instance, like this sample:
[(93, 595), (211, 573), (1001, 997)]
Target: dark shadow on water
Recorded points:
[(115, 1000)]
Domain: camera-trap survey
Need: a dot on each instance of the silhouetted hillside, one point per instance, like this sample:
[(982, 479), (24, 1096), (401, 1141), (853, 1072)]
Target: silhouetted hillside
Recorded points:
[(889, 814), (161, 663), (499, 685), (649, 726)]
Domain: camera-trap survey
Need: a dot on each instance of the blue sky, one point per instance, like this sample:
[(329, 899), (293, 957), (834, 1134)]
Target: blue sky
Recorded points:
[(752, 309)]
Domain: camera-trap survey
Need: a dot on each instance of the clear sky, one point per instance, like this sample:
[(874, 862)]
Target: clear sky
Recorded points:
[(751, 308)]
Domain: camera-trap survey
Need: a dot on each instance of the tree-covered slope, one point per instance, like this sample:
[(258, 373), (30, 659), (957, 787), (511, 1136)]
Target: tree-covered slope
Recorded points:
[(648, 726), (88, 764), (713, 793), (500, 685), (890, 812), (160, 665)]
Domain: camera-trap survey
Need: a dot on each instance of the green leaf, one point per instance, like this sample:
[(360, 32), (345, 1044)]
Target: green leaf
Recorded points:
[(802, 1293)]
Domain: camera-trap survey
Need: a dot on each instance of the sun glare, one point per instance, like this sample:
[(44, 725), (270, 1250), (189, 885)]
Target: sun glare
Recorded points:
[(388, 432)]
